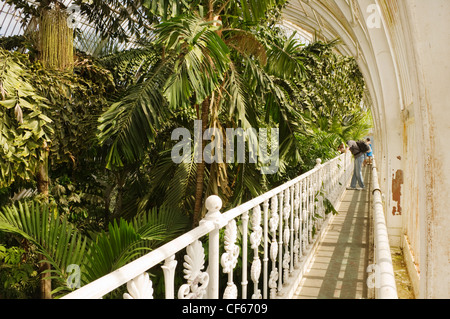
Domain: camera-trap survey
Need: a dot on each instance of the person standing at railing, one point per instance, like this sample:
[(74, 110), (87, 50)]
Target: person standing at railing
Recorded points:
[(369, 154), (358, 155)]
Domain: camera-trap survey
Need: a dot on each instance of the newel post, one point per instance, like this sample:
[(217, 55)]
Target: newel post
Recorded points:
[(213, 205), (318, 163)]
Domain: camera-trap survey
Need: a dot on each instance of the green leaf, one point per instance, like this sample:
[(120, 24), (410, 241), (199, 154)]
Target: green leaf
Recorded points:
[(9, 104)]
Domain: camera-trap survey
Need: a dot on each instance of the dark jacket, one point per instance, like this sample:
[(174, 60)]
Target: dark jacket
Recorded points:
[(354, 148)]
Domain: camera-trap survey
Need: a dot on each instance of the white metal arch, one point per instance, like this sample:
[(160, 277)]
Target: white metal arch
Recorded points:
[(408, 93)]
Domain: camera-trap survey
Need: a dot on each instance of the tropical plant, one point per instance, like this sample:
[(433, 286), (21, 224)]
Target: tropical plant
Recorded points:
[(19, 278), (223, 62), (24, 126), (212, 63), (98, 254)]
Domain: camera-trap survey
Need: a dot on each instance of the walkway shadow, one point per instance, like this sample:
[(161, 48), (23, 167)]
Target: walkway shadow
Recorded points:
[(338, 270)]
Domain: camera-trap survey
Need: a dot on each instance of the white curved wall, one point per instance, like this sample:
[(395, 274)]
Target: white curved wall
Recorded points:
[(403, 50)]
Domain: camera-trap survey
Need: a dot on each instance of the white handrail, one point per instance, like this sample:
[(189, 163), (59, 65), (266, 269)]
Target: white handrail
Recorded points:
[(115, 279), (288, 213), (384, 280)]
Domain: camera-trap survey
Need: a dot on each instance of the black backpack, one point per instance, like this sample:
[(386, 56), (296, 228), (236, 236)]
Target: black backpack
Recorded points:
[(363, 147)]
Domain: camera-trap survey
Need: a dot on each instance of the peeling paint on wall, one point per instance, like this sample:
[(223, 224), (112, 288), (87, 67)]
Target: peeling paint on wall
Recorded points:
[(397, 182)]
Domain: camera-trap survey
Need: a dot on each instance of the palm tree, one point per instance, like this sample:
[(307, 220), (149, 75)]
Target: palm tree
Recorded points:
[(215, 63)]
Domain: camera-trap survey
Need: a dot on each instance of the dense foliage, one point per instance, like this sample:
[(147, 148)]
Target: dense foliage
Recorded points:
[(104, 127)]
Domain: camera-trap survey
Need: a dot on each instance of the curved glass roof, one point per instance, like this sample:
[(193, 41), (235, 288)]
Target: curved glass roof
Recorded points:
[(10, 20), (87, 38)]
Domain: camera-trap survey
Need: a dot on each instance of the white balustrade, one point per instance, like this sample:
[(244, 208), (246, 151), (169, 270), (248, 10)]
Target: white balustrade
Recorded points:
[(274, 220), (139, 288), (255, 240), (276, 229), (197, 280), (230, 258), (297, 224), (286, 235)]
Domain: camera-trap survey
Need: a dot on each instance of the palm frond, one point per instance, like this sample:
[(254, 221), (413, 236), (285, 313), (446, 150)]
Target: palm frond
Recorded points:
[(161, 224), (252, 12), (246, 43), (286, 62), (111, 250), (202, 59), (181, 184), (55, 238), (126, 240), (130, 125), (238, 103)]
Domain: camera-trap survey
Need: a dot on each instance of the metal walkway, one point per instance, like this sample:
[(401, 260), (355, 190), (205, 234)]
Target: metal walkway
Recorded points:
[(338, 269)]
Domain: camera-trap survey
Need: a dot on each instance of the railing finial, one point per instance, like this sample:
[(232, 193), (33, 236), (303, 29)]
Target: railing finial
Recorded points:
[(318, 162), (213, 205)]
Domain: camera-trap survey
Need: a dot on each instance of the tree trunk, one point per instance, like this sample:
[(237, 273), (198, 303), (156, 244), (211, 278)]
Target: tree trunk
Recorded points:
[(46, 282), (201, 168), (56, 51), (121, 177), (43, 182), (198, 208)]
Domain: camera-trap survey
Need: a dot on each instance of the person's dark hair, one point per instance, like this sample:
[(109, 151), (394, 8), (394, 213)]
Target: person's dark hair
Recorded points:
[(368, 140)]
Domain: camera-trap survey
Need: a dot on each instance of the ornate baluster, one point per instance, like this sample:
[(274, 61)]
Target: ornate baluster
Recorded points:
[(139, 288), (286, 236), (297, 246), (322, 186), (280, 243), (255, 241), (273, 224), (327, 181), (319, 193), (266, 245), (310, 210), (315, 212), (332, 178), (230, 258), (244, 254), (213, 205), (169, 275), (292, 229), (304, 212), (197, 280)]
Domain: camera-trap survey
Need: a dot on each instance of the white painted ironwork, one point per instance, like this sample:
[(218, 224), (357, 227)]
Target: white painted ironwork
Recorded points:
[(140, 287), (297, 224), (286, 235), (213, 205), (274, 228), (274, 220), (244, 283), (197, 280), (230, 258), (255, 240), (266, 248), (384, 277), (169, 276)]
